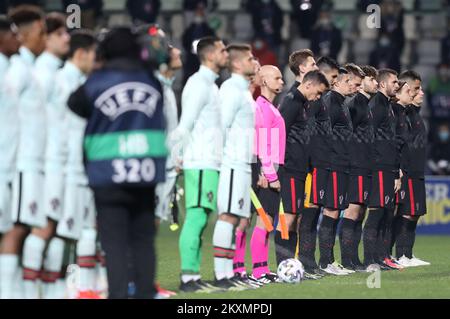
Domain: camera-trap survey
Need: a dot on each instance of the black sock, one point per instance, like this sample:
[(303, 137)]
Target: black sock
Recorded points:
[(387, 236), (346, 239), (395, 230), (402, 237), (380, 251), (357, 233), (307, 237), (333, 242), (326, 240), (370, 234), (285, 249), (410, 237)]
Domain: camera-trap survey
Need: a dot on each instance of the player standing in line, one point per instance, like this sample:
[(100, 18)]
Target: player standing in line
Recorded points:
[(359, 151), (385, 170), (57, 46), (335, 198), (414, 204), (199, 136), (270, 149), (360, 174), (319, 163), (24, 95), (9, 45), (237, 123), (293, 174), (300, 63), (76, 222)]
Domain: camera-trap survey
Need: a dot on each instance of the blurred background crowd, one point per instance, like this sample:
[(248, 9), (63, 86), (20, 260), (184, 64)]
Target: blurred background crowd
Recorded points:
[(413, 34)]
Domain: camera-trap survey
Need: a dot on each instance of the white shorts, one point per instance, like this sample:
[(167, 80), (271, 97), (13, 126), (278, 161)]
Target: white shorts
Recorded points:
[(5, 206), (78, 211), (54, 195), (27, 205), (234, 192), (164, 193)]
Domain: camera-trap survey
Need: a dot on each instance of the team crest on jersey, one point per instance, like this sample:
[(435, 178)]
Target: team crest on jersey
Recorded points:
[(33, 208), (321, 193), (241, 203), (210, 197), (402, 194), (126, 97), (55, 203)]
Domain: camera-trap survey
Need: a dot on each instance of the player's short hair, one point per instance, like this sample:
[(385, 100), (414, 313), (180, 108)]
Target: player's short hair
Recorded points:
[(5, 24), (383, 74), (298, 58), (355, 70), (326, 63), (54, 21), (409, 75), (26, 14), (81, 39), (316, 77), (120, 42), (370, 71), (206, 45)]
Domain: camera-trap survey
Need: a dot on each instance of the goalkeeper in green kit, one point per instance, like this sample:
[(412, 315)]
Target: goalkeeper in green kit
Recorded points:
[(198, 138)]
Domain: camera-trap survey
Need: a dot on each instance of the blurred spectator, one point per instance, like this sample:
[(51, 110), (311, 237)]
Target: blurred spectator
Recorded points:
[(392, 13), (445, 45), (267, 20), (199, 28), (305, 13), (91, 11), (385, 54), (326, 38), (191, 6), (143, 11), (15, 3), (438, 97), (439, 159), (263, 53)]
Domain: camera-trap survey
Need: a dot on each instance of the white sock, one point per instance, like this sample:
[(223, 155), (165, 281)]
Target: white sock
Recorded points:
[(101, 282), (52, 265), (222, 241), (33, 251), (9, 269), (229, 263), (187, 278), (86, 253)]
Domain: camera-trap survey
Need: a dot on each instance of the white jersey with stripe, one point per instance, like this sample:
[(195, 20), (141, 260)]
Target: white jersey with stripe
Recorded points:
[(237, 122)]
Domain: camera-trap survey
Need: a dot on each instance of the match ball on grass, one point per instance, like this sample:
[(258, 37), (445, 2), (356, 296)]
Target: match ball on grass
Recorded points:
[(291, 271)]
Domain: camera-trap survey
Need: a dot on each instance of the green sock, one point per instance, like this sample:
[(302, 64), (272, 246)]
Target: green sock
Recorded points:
[(190, 240)]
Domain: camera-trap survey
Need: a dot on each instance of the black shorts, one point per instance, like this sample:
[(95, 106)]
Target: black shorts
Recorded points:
[(269, 198), (336, 192), (382, 193), (414, 201), (359, 189), (292, 192), (318, 185)]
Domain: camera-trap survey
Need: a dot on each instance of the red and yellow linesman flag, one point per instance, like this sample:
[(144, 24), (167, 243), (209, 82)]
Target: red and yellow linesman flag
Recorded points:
[(282, 221), (260, 210)]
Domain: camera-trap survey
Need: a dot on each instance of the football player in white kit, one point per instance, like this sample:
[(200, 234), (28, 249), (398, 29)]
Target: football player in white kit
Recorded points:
[(47, 64), (9, 45), (237, 123), (23, 95), (78, 220)]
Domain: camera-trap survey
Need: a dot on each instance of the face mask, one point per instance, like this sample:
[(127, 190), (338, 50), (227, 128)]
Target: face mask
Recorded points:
[(384, 41), (198, 19), (444, 136)]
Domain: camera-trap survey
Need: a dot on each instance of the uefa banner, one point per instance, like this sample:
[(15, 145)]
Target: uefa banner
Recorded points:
[(437, 219)]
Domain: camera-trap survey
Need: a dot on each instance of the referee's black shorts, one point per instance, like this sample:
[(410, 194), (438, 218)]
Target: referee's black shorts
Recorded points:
[(269, 198)]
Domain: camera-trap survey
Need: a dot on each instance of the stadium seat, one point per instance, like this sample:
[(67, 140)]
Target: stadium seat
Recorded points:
[(410, 26), (285, 31), (429, 51), (242, 27), (177, 25), (115, 19), (114, 5), (344, 5), (362, 49), (425, 71), (171, 5), (299, 43), (229, 5), (433, 25)]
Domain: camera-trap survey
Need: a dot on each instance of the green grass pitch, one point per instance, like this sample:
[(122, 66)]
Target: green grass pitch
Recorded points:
[(418, 282)]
